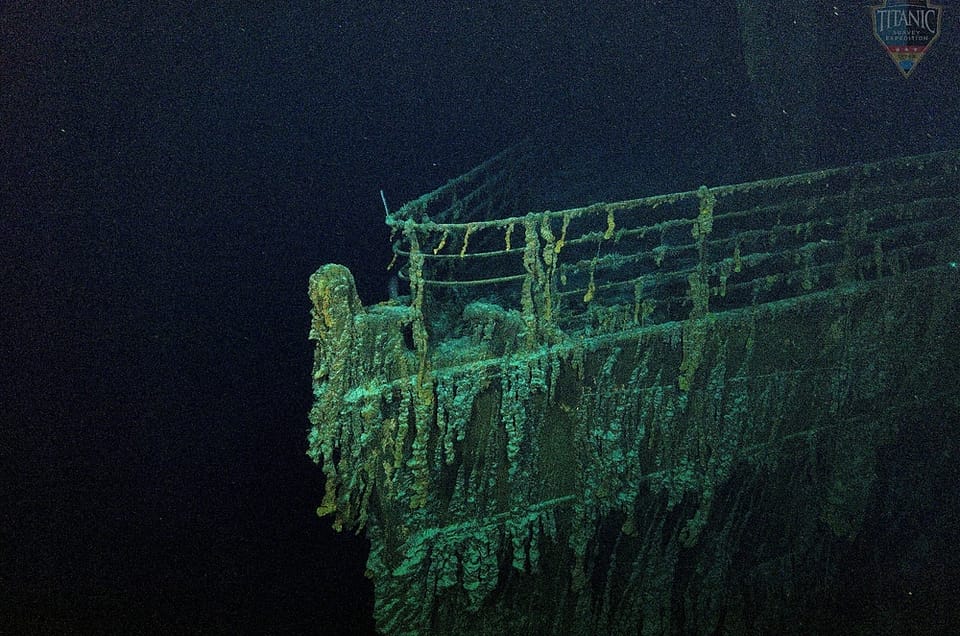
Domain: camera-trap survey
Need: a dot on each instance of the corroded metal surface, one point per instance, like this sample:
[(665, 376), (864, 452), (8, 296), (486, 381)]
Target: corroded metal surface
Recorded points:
[(665, 410)]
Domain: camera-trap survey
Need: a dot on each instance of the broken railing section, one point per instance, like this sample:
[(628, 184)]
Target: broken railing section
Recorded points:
[(608, 266)]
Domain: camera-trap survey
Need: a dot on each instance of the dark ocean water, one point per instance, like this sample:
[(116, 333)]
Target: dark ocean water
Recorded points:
[(171, 177)]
